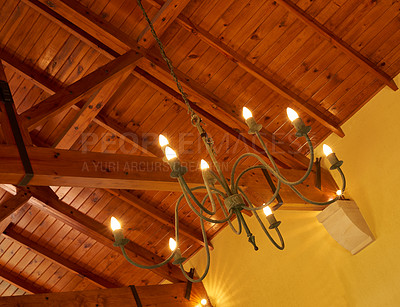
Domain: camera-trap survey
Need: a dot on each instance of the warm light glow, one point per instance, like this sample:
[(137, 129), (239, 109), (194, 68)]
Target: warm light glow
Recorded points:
[(115, 225), (170, 153), (339, 192), (203, 302), (247, 113), (204, 164), (267, 211), (162, 140), (292, 114), (172, 244), (327, 150)]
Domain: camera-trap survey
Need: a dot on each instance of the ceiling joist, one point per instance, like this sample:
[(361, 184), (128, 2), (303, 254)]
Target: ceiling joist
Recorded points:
[(8, 207)]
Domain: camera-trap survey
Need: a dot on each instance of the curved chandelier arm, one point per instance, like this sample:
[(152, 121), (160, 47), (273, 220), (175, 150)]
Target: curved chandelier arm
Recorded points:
[(237, 232), (146, 266), (194, 209), (282, 245), (203, 231), (327, 202)]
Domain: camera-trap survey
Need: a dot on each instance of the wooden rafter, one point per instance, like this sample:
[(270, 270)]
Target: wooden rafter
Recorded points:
[(119, 42), (59, 260), (162, 20), (46, 200), (339, 43), (21, 283), (158, 215), (157, 296), (70, 95), (8, 207), (56, 167)]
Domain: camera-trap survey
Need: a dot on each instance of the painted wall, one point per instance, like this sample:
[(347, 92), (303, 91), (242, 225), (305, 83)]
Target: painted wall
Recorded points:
[(314, 270)]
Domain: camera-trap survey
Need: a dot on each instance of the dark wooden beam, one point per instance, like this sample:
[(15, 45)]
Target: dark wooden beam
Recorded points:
[(46, 200), (158, 215), (56, 167), (21, 283), (61, 261), (339, 43), (8, 207), (158, 296), (161, 21), (70, 95)]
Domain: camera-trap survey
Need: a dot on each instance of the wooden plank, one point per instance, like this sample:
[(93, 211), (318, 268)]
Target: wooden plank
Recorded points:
[(45, 199), (70, 95), (11, 205), (158, 215), (161, 21), (59, 260), (21, 283), (340, 44), (328, 121), (56, 167), (159, 295), (90, 109)]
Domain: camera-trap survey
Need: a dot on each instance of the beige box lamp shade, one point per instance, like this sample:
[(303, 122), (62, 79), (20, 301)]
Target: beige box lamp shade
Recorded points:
[(344, 222)]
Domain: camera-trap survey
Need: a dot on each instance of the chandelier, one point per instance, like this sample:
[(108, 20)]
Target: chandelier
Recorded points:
[(228, 196)]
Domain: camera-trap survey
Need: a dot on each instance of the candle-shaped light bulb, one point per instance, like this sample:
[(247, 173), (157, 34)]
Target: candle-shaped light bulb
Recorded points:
[(267, 211), (203, 302), (247, 113), (162, 140), (292, 114), (339, 192), (170, 153), (204, 165), (115, 225), (172, 244), (327, 150)]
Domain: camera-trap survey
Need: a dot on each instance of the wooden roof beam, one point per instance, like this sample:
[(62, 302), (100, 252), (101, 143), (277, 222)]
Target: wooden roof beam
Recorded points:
[(46, 200), (21, 283), (59, 260), (158, 215), (339, 43), (57, 167), (8, 207), (157, 296), (161, 21), (71, 94)]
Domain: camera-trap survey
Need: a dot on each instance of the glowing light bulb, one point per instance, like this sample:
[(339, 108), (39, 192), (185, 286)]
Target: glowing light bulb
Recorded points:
[(327, 150), (172, 244), (170, 153), (247, 113), (267, 211), (115, 225), (203, 302), (292, 114), (204, 164), (339, 192), (162, 140)]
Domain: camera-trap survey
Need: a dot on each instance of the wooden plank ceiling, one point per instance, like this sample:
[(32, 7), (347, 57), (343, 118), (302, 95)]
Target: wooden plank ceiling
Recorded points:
[(325, 59)]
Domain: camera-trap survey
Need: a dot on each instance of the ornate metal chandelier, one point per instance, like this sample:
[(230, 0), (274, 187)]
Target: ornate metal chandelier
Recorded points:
[(219, 193)]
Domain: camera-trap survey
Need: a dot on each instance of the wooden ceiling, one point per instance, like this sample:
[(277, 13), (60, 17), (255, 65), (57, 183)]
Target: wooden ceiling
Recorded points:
[(325, 59)]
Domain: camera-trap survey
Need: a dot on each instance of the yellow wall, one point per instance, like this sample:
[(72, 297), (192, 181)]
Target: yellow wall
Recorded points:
[(314, 270)]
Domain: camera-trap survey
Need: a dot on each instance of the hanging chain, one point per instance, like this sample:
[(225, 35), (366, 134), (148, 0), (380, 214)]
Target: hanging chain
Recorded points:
[(195, 119), (167, 60)]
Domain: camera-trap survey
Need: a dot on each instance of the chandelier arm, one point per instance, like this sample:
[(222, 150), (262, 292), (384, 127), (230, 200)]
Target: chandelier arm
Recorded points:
[(282, 246), (203, 231), (254, 208), (185, 188), (146, 266), (278, 174), (327, 202), (237, 232), (198, 213)]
